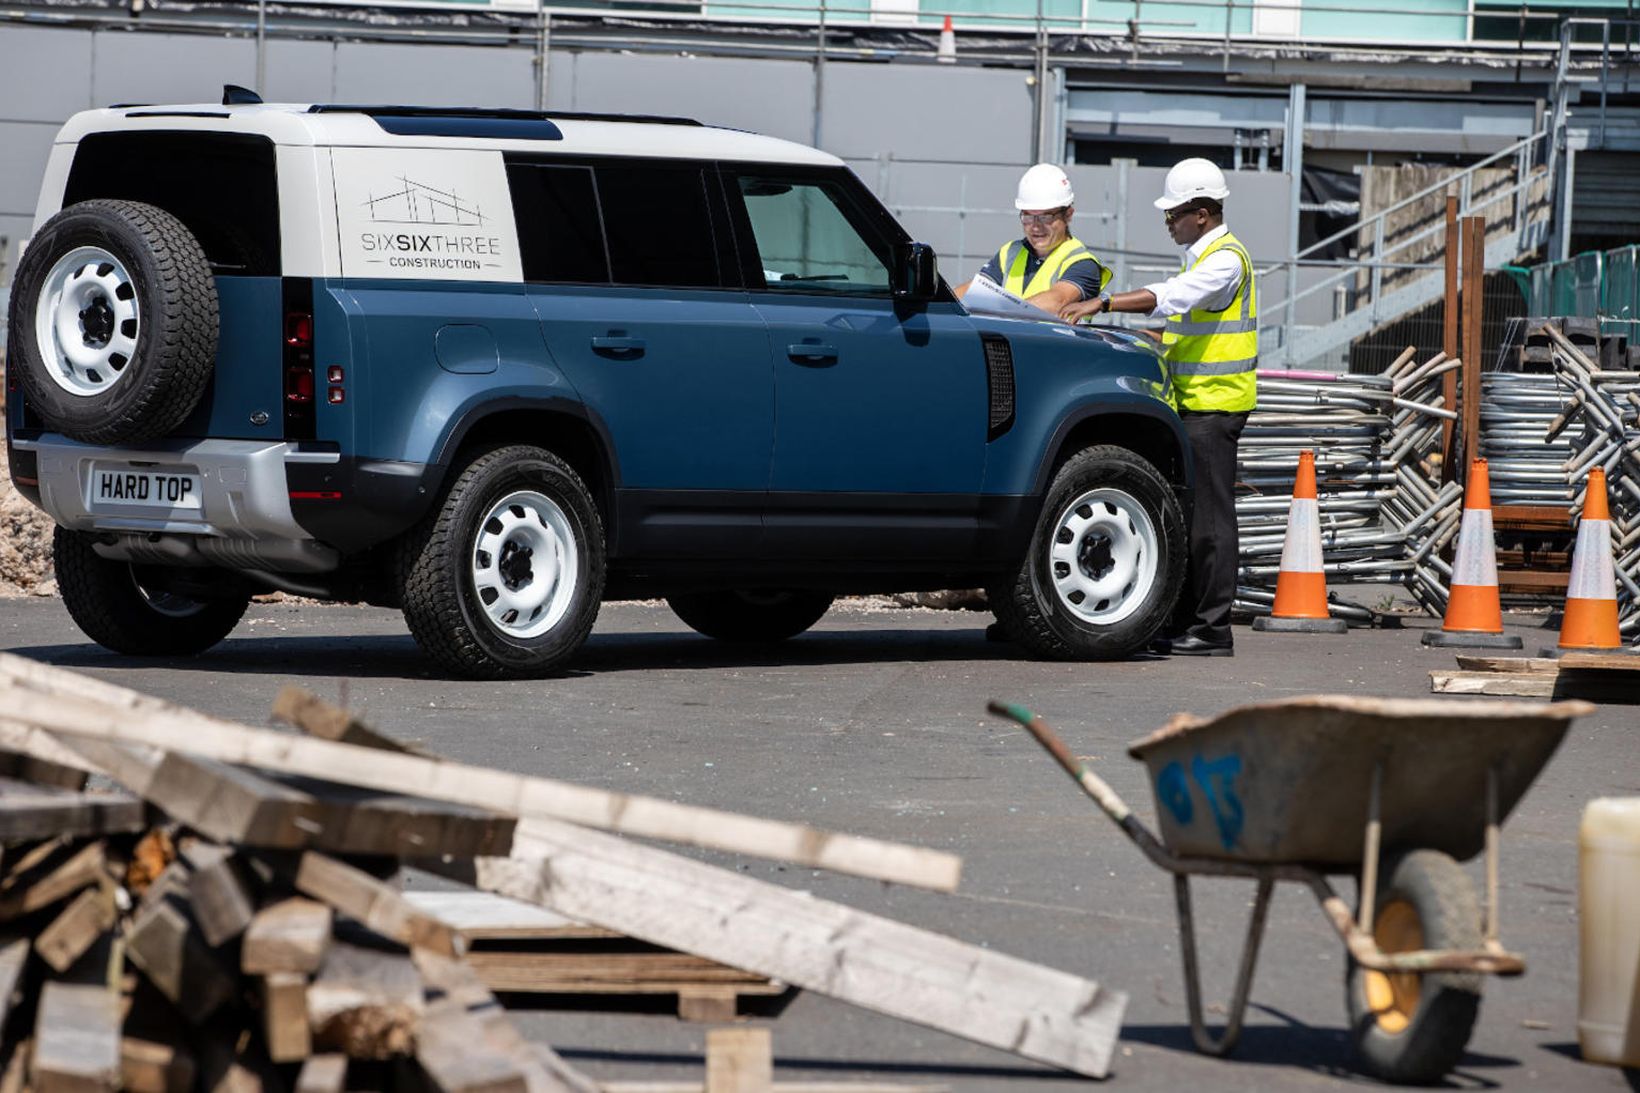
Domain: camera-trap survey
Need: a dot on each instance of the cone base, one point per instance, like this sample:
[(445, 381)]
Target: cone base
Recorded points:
[(1555, 652), (1273, 625), (1470, 639)]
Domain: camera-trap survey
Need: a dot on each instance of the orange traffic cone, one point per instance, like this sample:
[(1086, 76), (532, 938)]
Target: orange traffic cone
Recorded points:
[(1474, 614), (947, 52), (1590, 622), (1301, 586)]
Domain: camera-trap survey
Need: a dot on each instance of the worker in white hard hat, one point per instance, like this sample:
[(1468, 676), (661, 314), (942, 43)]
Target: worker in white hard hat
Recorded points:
[(1211, 346), (1049, 267)]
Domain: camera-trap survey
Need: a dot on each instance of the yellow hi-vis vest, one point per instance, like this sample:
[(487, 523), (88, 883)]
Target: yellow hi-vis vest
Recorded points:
[(1213, 354), (1012, 257)]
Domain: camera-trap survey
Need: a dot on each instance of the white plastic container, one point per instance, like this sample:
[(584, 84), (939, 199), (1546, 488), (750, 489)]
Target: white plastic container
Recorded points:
[(1608, 1012)]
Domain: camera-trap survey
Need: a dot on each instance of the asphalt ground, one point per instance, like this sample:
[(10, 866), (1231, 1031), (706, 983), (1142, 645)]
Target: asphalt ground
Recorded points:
[(874, 723)]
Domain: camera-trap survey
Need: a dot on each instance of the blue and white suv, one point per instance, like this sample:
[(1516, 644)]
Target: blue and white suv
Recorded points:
[(496, 367)]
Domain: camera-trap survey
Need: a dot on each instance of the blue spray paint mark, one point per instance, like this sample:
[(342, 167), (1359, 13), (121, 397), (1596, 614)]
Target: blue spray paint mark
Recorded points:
[(1217, 781), (1174, 793)]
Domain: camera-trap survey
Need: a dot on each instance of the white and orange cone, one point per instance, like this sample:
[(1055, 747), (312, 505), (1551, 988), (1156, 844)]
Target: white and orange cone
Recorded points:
[(1301, 586), (1590, 622), (947, 53), (1474, 613)]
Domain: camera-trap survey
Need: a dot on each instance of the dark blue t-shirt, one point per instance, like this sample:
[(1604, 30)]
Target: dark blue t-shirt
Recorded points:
[(1084, 275)]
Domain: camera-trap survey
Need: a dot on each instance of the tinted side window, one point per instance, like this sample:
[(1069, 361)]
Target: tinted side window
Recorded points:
[(659, 226), (806, 240), (560, 234), (223, 186)]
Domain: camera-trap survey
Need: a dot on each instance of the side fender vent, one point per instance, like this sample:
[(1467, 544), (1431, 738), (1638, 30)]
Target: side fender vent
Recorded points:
[(999, 372)]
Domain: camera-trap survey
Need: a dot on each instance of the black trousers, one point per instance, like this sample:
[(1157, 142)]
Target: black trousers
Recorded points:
[(1204, 606)]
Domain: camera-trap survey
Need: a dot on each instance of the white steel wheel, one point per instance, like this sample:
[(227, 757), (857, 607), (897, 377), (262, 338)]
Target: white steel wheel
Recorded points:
[(524, 564), (86, 321), (1103, 556)]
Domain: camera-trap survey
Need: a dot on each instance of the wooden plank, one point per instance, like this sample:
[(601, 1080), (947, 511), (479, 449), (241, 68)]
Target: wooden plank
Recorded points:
[(708, 1005), (1471, 663), (41, 772), (28, 811), (250, 808), (1531, 581), (1512, 684), (452, 983), (285, 1017), (150, 1066), (13, 959), (886, 966), (580, 971), (487, 916), (316, 717), (61, 874), (1531, 517), (1601, 662), (76, 1040), (164, 942), (86, 918), (58, 701), (378, 906), (218, 892), (14, 1077), (365, 1003), (739, 1060), (323, 1074), (779, 1087), (289, 936), (450, 1046)]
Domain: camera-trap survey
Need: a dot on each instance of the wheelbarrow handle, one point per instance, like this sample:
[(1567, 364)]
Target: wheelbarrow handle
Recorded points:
[(1093, 785)]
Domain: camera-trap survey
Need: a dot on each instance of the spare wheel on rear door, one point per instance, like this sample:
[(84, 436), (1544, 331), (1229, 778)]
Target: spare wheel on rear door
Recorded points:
[(113, 324)]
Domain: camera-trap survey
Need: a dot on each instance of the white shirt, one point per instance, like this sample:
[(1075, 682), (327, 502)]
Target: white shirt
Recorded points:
[(1211, 285)]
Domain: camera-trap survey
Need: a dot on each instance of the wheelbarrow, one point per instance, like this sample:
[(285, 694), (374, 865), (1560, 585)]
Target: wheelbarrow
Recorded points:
[(1393, 792)]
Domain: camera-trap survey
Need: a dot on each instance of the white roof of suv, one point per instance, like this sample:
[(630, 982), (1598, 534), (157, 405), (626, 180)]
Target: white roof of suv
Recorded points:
[(367, 126)]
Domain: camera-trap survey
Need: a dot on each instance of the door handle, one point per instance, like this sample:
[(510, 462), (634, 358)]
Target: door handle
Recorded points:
[(611, 345), (812, 353)]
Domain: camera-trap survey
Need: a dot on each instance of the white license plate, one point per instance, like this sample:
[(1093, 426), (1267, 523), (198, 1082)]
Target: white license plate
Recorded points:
[(120, 485)]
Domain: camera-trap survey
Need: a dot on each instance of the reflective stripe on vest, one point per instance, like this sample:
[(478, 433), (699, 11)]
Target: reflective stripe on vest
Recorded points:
[(1011, 259), (1213, 355)]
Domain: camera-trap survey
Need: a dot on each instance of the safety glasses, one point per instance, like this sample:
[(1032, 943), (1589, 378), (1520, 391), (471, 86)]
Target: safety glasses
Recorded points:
[(1041, 220)]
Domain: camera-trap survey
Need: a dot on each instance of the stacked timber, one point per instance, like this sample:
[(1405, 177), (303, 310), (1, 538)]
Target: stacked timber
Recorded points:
[(233, 915)]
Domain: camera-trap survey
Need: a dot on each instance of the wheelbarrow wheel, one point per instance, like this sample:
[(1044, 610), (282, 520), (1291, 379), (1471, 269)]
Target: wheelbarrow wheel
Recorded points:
[(1412, 1028)]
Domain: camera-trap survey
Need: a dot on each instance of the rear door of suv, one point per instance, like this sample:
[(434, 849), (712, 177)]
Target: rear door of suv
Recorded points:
[(631, 269), (881, 407)]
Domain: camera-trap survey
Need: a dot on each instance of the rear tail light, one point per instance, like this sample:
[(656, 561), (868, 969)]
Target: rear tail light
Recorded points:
[(301, 385)]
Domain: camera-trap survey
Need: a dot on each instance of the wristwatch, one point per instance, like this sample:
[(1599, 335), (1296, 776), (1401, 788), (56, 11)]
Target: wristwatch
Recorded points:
[(1104, 301)]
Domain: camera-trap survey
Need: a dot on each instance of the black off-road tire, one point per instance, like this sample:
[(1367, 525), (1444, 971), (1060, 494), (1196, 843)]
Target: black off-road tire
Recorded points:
[(1417, 1041), (1031, 612), (751, 617), (176, 324), (441, 600), (111, 606)]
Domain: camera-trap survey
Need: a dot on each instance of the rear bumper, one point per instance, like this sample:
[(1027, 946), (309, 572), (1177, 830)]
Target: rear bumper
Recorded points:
[(244, 520)]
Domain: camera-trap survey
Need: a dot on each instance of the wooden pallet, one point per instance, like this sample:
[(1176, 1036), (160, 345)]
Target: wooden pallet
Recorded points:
[(521, 948), (1599, 677)]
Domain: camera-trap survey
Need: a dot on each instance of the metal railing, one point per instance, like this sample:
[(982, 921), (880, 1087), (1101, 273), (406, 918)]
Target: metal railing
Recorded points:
[(1360, 280)]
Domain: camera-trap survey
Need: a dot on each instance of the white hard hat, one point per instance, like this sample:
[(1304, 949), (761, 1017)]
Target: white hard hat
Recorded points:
[(1044, 187), (1191, 179)]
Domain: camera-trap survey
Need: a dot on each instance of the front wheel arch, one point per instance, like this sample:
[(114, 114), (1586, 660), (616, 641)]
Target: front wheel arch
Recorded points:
[(1127, 547)]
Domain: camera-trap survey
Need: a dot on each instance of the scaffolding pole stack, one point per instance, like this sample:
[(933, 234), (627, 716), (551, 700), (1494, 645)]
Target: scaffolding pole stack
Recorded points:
[(1382, 517)]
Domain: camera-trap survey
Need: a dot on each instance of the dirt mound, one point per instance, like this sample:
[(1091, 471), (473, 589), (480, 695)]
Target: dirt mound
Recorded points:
[(25, 542)]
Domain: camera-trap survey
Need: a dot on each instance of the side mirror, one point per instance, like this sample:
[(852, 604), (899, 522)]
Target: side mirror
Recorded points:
[(916, 273)]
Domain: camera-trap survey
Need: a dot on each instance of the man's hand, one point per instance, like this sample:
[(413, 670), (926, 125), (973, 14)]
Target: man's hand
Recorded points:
[(1083, 309)]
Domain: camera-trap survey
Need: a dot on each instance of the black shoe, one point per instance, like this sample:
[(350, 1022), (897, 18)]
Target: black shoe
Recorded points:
[(996, 633), (1192, 646), (1162, 644)]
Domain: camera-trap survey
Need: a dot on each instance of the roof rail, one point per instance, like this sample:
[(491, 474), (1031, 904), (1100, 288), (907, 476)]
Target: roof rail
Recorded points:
[(496, 113)]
